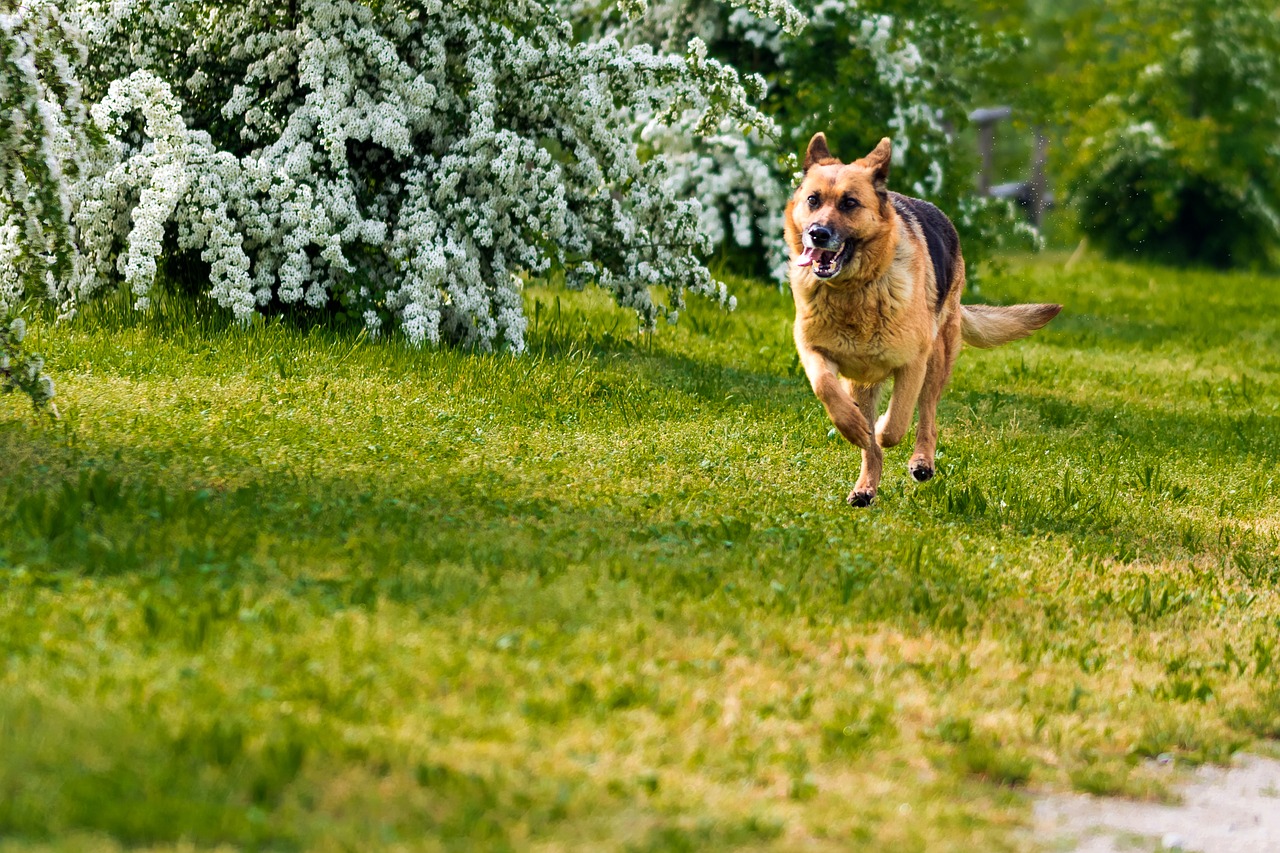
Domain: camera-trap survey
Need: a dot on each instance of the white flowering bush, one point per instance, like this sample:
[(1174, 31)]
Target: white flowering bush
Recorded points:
[(411, 163), (42, 144), (861, 69)]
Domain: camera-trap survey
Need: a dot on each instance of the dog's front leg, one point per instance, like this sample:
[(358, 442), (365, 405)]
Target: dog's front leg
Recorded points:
[(825, 379), (864, 492)]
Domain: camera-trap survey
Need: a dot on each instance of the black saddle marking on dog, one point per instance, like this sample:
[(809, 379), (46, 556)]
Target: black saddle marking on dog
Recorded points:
[(939, 236)]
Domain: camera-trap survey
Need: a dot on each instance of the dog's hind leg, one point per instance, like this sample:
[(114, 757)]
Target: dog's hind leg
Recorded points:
[(945, 349), (864, 491), (895, 422)]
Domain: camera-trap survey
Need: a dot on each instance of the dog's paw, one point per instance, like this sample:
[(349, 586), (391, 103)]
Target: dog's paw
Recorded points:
[(920, 470), (861, 499)]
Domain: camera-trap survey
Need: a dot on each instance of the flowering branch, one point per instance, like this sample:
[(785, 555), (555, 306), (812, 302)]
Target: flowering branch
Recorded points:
[(21, 370)]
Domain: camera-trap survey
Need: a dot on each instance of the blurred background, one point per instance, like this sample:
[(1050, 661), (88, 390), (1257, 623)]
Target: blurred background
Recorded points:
[(1162, 122)]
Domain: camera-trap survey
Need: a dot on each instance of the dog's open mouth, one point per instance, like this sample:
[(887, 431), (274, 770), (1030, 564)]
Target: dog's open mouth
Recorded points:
[(825, 262)]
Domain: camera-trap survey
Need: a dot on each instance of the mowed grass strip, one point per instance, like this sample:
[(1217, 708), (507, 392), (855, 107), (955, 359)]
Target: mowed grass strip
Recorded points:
[(271, 588)]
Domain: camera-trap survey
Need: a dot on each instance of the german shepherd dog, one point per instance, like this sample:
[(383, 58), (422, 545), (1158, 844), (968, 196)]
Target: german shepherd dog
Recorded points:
[(876, 278)]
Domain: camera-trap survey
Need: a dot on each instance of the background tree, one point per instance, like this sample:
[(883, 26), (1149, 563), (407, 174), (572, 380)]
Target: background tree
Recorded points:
[(1166, 116)]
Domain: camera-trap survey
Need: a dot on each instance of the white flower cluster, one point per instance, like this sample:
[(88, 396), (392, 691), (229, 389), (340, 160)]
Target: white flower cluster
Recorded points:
[(41, 144), (410, 161), (158, 175), (730, 169)]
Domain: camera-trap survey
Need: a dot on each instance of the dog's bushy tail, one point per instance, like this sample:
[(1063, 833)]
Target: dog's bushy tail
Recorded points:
[(988, 326)]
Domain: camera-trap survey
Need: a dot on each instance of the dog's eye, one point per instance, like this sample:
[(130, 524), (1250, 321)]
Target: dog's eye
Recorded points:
[(849, 203), (813, 202)]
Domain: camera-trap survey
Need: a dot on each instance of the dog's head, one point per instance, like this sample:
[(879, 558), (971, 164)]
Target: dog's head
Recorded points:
[(837, 208)]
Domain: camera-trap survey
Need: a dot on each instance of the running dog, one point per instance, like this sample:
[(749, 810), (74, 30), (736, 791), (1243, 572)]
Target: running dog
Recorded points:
[(876, 278)]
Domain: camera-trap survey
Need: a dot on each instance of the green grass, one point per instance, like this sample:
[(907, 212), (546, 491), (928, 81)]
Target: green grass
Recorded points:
[(272, 588)]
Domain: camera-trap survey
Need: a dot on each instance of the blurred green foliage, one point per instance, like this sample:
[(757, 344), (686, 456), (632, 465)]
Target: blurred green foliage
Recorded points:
[(1166, 116)]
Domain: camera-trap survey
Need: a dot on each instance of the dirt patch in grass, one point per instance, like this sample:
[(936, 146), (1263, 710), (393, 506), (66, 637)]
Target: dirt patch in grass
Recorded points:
[(1233, 810)]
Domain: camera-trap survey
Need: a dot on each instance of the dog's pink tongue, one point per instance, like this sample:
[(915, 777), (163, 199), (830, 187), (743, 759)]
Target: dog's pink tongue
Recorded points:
[(810, 255)]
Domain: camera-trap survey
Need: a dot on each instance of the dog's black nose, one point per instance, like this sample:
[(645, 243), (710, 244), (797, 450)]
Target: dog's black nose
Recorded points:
[(821, 236)]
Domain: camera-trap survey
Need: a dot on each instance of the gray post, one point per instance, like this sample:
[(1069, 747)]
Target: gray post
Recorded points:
[(1037, 178), (987, 149), (986, 120)]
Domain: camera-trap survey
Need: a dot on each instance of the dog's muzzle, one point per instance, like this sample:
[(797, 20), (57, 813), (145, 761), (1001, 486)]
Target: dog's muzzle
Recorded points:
[(822, 251)]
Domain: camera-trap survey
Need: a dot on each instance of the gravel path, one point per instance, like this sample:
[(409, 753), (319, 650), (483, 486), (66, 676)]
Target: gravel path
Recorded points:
[(1235, 810)]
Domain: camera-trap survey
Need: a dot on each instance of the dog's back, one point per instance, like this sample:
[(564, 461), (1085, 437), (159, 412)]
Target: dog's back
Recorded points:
[(940, 239), (981, 326)]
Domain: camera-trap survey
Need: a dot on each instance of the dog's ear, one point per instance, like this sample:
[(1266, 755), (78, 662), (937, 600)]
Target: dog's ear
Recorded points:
[(818, 154), (878, 162)]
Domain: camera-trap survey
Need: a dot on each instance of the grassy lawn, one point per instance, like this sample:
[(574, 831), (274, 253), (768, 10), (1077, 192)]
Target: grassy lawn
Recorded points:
[(278, 589)]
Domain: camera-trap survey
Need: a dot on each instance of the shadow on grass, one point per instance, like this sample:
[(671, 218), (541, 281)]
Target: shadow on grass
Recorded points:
[(1243, 432), (456, 530), (633, 375)]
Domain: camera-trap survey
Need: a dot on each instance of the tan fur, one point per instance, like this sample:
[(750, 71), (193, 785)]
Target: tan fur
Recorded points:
[(987, 326), (874, 318)]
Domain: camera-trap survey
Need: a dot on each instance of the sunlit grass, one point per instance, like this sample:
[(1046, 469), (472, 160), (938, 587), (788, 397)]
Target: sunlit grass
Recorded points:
[(279, 588)]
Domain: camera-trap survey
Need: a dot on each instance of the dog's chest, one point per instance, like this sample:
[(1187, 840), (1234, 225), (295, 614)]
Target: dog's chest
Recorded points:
[(869, 330)]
